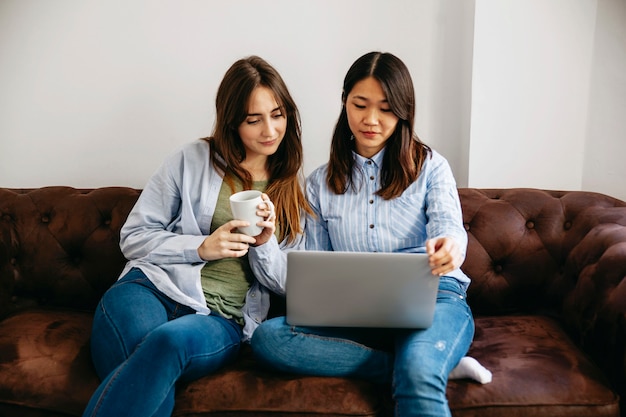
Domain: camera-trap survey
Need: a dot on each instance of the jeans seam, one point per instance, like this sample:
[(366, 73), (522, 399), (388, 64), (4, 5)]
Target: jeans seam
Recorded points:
[(105, 390), (228, 347), (116, 329), (332, 339), (217, 352)]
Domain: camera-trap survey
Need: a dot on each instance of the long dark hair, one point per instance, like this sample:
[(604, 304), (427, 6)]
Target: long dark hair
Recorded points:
[(227, 150), (405, 153)]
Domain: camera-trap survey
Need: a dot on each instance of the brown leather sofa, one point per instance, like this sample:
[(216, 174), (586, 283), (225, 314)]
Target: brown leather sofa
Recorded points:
[(548, 295)]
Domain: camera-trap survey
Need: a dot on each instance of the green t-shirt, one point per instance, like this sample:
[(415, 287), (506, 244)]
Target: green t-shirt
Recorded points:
[(226, 281)]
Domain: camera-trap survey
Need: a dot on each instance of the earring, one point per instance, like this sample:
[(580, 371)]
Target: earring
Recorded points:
[(351, 137)]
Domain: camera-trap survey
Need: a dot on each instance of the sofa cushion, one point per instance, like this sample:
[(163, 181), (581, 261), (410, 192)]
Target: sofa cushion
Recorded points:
[(245, 390), (45, 364), (537, 371), (45, 361)]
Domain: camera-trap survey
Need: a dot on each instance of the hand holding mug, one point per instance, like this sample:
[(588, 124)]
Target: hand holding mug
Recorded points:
[(224, 242), (255, 208)]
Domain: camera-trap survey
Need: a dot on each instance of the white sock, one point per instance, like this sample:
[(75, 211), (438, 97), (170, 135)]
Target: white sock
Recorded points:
[(469, 367)]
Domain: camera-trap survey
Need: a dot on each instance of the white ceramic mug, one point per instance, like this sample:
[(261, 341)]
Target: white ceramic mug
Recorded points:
[(244, 206)]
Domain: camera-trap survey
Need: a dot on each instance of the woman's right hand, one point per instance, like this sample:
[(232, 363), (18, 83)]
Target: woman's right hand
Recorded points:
[(226, 242), (444, 255)]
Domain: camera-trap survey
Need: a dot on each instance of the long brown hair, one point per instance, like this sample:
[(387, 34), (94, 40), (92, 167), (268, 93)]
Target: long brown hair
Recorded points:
[(405, 153), (227, 150)]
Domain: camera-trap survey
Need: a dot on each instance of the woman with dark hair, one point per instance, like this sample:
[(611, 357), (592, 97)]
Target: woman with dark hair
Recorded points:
[(399, 196), (194, 288)]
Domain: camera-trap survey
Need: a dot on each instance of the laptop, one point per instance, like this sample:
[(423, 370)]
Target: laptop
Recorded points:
[(360, 289)]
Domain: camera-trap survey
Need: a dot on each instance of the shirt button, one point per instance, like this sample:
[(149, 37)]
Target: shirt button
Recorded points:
[(371, 201), (253, 294), (369, 162), (372, 177), (371, 226)]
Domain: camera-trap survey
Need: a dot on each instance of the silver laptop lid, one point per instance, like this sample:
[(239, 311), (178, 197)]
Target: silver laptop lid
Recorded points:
[(360, 289)]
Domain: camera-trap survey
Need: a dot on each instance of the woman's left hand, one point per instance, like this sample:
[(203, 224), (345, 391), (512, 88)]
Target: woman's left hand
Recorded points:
[(444, 255), (266, 210)]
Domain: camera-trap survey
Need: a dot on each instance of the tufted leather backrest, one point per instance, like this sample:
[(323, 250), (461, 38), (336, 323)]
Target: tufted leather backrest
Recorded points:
[(533, 250), (60, 246), (529, 250)]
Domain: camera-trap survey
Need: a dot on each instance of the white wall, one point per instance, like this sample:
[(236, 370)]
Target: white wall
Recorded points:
[(445, 121), (98, 93), (604, 167), (548, 95), (513, 92), (529, 94)]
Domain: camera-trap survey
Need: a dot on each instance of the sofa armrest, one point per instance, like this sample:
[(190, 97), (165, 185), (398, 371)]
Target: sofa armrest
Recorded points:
[(595, 310), (556, 253)]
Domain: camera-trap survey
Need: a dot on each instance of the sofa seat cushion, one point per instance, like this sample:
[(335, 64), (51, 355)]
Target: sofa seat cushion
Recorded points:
[(45, 362), (245, 390), (537, 371), (45, 365)]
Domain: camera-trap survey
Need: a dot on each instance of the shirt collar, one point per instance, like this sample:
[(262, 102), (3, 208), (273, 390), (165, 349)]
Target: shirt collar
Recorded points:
[(377, 159)]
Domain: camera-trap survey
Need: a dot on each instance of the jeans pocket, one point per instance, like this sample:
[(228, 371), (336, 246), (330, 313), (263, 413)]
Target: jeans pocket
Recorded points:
[(452, 296), (449, 295)]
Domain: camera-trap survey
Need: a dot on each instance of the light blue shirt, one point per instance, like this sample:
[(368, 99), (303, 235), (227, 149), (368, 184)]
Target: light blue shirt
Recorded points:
[(171, 219), (365, 222)]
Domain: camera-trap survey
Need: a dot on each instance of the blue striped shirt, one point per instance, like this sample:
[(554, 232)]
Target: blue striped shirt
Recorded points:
[(361, 221)]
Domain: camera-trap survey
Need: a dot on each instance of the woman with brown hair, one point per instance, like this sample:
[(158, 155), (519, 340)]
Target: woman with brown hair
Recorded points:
[(194, 288)]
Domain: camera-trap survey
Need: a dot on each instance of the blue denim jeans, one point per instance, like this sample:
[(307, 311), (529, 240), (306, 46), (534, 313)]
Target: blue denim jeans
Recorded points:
[(415, 362), (142, 343)]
